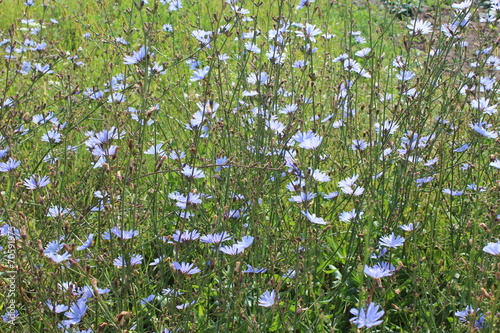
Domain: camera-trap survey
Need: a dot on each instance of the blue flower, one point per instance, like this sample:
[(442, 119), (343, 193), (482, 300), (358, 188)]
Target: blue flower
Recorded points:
[(303, 197), (10, 165), (108, 151), (147, 299), (216, 238), (379, 254), (191, 172), (57, 211), (124, 234), (221, 163), (183, 201), (9, 317), (40, 119), (53, 247), (245, 242), (171, 292), (102, 137), (186, 268), (290, 274), (452, 192), (359, 144), (479, 323), (121, 40), (199, 74), (482, 128), (3, 152), (176, 155), (76, 312), (117, 98), (86, 244), (155, 150), (421, 181), (367, 317), (289, 108), (495, 163), (203, 37), (254, 270), (58, 258), (7, 230), (348, 186), (267, 299), (308, 33), (231, 249), (56, 308), (185, 305), (44, 69), (52, 136), (405, 75), (252, 47), (35, 182), (157, 69), (379, 270), (350, 216), (135, 259), (90, 93), (185, 236), (320, 176), (165, 330), (299, 64), (462, 315), (409, 226), (462, 148), (304, 3), (174, 5), (136, 57), (392, 241), (492, 248), (313, 218), (311, 143), (157, 261), (193, 64)]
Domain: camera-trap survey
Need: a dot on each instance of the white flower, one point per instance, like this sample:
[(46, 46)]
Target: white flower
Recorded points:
[(313, 218), (482, 105), (405, 75), (309, 32), (192, 172), (252, 47), (495, 163), (420, 27), (462, 5), (349, 216), (320, 176), (363, 52)]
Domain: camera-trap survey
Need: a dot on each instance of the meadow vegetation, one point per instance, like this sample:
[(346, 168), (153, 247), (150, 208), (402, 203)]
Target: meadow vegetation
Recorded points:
[(243, 166)]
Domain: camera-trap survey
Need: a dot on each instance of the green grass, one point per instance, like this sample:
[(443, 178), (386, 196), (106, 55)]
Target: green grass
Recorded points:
[(316, 270)]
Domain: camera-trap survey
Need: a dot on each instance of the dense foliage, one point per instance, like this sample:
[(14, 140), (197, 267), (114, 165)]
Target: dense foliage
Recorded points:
[(238, 166)]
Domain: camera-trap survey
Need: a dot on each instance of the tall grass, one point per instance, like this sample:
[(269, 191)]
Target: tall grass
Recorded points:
[(238, 166)]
